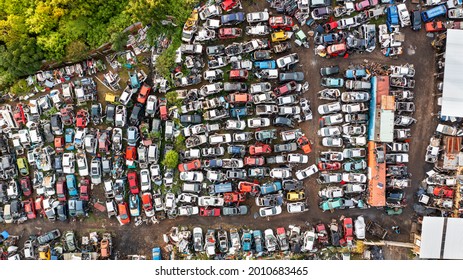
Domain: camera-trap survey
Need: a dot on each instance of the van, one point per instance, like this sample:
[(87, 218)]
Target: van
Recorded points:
[(153, 154), (191, 187), (111, 208), (220, 188), (432, 13)]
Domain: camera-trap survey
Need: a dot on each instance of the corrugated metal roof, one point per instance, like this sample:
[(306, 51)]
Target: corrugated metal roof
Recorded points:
[(386, 126), (431, 237), (452, 100), (453, 248)]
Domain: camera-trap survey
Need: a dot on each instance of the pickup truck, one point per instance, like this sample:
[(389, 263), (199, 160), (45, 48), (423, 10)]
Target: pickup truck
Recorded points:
[(265, 109)]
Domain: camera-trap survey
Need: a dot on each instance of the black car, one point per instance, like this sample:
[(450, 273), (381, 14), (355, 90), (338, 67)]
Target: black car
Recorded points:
[(291, 76), (95, 113), (234, 87), (415, 19), (110, 113), (282, 121), (15, 209), (292, 185), (56, 124), (62, 212), (47, 133), (137, 113), (217, 50), (394, 195), (190, 119), (262, 55), (330, 70)]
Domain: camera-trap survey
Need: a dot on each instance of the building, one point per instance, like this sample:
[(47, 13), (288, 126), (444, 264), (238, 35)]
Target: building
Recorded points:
[(441, 238), (452, 99)]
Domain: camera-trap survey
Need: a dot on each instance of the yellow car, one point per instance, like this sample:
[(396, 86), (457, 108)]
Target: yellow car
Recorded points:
[(295, 195), (22, 166), (44, 253), (279, 36)]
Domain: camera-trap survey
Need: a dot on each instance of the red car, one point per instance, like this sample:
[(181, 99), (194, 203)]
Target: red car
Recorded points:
[(123, 213), (285, 89), (67, 115), (326, 166), (131, 153), (28, 206), (25, 184), (147, 202), (239, 75), (189, 166), (260, 149), (239, 98), (84, 189), (443, 192), (209, 212), (61, 189), (132, 177), (330, 26), (19, 116), (59, 144), (348, 230), (82, 118), (336, 49), (39, 205), (259, 161), (322, 234), (434, 26), (234, 197), (228, 5), (144, 92), (281, 22), (304, 143), (365, 4), (230, 33)]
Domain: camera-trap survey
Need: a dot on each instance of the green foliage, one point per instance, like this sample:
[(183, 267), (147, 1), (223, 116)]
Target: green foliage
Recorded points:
[(179, 143), (171, 159), (171, 97), (20, 88), (76, 51)]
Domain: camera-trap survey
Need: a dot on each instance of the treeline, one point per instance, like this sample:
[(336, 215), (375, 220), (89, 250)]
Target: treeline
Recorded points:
[(35, 31)]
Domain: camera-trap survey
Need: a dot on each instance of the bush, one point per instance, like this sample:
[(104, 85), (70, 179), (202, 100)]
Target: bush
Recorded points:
[(171, 159)]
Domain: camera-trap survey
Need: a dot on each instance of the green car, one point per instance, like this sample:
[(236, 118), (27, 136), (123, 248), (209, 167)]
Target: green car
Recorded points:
[(22, 166), (331, 204)]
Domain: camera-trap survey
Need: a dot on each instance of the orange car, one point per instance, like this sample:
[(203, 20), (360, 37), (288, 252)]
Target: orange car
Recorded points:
[(131, 153), (434, 26), (189, 166), (144, 92), (123, 213), (337, 49)]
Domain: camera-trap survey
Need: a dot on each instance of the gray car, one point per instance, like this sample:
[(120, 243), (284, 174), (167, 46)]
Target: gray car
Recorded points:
[(48, 237), (95, 171), (288, 147), (291, 76), (132, 136), (234, 211)]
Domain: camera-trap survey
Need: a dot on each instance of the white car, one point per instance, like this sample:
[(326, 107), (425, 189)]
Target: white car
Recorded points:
[(79, 137), (151, 105), (258, 122), (305, 173), (257, 30), (332, 142), (329, 108), (126, 95), (287, 100), (287, 60), (260, 88), (210, 201), (187, 198), (68, 163), (169, 201), (257, 17), (219, 139), (210, 11), (298, 158), (354, 108), (192, 176), (145, 180), (354, 178), (329, 131), (296, 207), (270, 211), (359, 226), (211, 89), (331, 192), (270, 240), (95, 171), (309, 240), (280, 173), (90, 143), (121, 116), (235, 125), (82, 165), (289, 110), (262, 98), (188, 210), (345, 23)]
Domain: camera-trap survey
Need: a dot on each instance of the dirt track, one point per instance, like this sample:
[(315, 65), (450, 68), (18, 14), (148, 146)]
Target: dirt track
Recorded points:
[(139, 240)]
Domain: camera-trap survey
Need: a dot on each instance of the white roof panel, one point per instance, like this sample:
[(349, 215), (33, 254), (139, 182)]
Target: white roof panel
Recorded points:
[(431, 237), (453, 248), (452, 97)]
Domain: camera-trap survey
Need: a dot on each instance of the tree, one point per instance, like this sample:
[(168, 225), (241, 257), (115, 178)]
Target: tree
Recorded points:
[(179, 143), (119, 41), (20, 87), (171, 159), (76, 51), (171, 97)]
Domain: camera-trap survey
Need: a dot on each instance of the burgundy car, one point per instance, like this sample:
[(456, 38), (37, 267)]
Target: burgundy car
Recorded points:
[(25, 184)]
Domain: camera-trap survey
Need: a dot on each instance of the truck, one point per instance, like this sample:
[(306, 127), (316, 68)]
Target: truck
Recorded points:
[(265, 109), (392, 17)]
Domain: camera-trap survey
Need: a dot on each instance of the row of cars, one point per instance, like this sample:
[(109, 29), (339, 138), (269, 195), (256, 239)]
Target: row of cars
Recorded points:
[(221, 242)]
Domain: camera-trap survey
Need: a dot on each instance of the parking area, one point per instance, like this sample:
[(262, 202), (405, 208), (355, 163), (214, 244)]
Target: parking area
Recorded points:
[(138, 238)]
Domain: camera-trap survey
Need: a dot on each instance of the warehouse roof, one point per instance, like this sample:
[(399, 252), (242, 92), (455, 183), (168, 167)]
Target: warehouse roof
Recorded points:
[(441, 238), (452, 99)]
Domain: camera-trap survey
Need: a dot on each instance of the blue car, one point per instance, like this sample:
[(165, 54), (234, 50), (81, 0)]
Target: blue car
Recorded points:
[(332, 82), (134, 205), (257, 234), (156, 253), (238, 112), (270, 187), (266, 64), (237, 150), (69, 139), (355, 73), (71, 185), (246, 241), (232, 19)]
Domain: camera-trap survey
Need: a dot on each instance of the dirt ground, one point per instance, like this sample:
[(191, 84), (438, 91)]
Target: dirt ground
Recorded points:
[(139, 240)]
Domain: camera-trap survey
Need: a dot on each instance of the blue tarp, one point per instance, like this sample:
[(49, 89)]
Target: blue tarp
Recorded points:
[(371, 123)]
